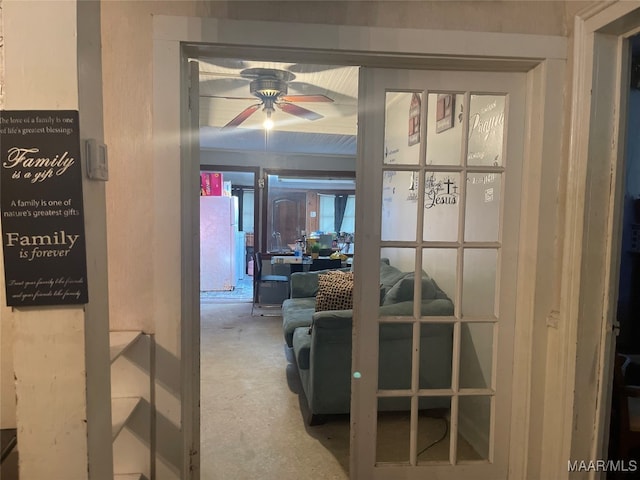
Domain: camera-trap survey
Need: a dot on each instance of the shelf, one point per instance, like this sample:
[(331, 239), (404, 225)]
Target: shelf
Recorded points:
[(121, 410), (8, 440), (131, 364), (120, 341)]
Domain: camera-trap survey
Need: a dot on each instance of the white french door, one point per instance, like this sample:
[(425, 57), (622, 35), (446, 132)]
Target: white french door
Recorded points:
[(439, 165)]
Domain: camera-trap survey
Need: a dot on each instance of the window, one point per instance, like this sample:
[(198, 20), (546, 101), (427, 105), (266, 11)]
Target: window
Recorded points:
[(329, 210), (301, 204), (349, 218), (326, 214)]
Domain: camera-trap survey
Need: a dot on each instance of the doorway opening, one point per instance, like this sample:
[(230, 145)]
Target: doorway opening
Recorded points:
[(624, 441), (227, 226), (250, 402)]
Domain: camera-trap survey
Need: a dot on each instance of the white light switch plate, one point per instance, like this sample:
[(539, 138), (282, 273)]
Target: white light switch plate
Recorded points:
[(97, 162)]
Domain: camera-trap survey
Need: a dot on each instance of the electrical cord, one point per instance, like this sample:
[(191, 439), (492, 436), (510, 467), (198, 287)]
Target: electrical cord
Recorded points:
[(446, 432)]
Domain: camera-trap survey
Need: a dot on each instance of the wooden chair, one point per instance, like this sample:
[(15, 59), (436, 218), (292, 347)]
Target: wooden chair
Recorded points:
[(259, 280), (626, 404)]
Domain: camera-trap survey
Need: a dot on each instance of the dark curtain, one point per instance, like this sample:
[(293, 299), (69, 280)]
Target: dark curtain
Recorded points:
[(341, 205)]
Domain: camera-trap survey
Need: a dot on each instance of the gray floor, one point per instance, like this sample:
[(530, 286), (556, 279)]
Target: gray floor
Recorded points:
[(252, 425), (251, 421)]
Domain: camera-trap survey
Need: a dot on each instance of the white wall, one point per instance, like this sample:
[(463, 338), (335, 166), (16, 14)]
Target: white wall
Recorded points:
[(48, 346), (61, 355), (7, 386)]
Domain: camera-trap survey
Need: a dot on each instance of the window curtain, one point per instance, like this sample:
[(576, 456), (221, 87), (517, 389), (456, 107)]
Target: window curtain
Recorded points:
[(340, 206), (349, 220)]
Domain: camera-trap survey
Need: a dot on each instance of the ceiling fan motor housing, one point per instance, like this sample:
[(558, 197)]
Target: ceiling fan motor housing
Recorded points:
[(266, 87)]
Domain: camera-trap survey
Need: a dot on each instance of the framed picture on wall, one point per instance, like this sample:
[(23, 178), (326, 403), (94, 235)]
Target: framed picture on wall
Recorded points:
[(444, 112), (414, 119)]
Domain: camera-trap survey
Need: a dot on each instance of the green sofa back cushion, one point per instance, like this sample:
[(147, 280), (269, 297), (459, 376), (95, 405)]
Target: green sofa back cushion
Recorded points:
[(389, 275), (402, 291)]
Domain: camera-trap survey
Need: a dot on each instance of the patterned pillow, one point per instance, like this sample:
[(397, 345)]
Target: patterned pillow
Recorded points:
[(335, 291)]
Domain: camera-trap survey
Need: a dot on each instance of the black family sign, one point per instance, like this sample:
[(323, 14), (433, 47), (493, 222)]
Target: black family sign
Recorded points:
[(43, 237)]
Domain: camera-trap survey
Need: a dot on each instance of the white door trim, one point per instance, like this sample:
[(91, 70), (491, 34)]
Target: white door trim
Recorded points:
[(543, 57), (585, 301)]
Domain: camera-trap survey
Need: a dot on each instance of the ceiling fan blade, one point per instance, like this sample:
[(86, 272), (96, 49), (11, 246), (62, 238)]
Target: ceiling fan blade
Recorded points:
[(305, 98), (227, 98), (299, 111), (231, 63), (224, 86), (242, 116), (307, 68)]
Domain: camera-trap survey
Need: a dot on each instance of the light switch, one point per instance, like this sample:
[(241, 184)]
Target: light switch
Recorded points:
[(97, 162)]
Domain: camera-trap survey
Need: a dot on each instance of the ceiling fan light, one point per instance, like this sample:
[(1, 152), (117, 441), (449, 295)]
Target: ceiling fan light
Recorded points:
[(268, 123)]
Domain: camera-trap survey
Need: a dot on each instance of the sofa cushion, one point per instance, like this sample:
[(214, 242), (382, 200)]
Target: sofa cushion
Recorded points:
[(304, 284), (402, 291), (292, 305), (335, 291), (302, 347), (296, 312), (389, 276)]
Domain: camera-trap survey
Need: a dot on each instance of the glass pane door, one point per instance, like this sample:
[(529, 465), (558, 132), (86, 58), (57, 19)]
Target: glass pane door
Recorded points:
[(432, 360)]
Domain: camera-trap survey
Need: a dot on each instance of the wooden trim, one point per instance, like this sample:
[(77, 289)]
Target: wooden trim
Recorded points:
[(583, 334)]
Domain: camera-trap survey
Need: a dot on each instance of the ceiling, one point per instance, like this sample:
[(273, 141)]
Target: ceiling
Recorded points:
[(333, 134)]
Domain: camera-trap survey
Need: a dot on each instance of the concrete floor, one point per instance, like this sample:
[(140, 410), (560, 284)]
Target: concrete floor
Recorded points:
[(252, 425), (251, 419)]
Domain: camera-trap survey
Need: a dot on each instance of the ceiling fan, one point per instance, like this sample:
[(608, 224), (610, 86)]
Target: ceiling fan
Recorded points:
[(270, 86)]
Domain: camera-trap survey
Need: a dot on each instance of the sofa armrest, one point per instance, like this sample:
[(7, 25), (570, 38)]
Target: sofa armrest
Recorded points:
[(330, 321), (332, 318)]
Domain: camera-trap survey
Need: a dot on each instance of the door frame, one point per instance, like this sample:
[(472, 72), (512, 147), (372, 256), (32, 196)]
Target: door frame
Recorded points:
[(542, 57), (592, 224)]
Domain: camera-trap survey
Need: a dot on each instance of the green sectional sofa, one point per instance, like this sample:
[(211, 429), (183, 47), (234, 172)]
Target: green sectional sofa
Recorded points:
[(321, 342)]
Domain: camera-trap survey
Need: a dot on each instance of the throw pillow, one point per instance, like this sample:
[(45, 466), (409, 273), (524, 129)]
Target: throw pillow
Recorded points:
[(335, 291)]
